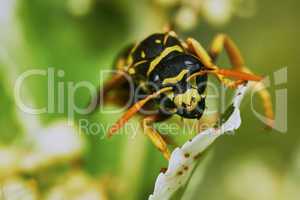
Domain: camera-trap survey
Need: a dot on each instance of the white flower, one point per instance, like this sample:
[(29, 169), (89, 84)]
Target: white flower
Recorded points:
[(9, 159), (18, 189), (186, 18), (58, 142), (217, 12), (76, 186)]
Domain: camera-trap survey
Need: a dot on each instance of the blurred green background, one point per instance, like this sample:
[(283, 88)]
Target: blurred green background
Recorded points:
[(81, 37)]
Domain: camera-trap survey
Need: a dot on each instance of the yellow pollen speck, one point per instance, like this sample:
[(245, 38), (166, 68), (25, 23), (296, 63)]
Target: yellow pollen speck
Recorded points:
[(143, 54), (158, 41)]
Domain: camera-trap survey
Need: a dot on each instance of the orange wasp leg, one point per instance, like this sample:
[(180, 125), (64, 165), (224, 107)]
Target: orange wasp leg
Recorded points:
[(220, 42), (112, 83), (198, 50), (223, 41), (133, 110), (156, 138)]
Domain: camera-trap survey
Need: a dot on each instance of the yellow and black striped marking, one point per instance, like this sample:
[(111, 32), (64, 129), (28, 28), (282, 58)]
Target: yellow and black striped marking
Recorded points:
[(151, 51)]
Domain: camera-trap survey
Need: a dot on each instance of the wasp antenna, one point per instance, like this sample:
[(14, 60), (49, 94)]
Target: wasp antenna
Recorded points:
[(200, 73), (238, 75), (229, 73), (134, 109)]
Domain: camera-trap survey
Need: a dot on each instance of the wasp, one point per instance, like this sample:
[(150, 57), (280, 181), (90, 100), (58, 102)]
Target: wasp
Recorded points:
[(171, 77)]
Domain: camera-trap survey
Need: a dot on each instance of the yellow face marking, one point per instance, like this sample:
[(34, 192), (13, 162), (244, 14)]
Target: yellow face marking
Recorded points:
[(157, 41), (190, 98), (161, 56), (175, 79), (143, 55)]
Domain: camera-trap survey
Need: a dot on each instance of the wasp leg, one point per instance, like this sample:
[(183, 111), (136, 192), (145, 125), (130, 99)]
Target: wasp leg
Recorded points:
[(119, 98), (223, 41), (102, 94), (156, 138), (115, 82), (198, 50)]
